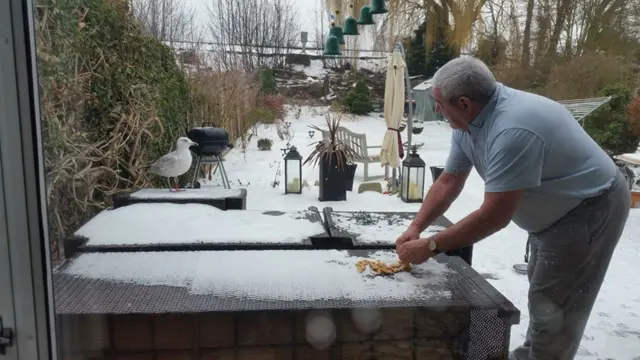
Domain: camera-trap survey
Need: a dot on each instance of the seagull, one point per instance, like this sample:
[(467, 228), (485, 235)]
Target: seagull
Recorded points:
[(175, 163)]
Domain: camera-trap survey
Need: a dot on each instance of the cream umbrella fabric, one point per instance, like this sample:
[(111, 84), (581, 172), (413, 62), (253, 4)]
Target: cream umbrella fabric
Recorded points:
[(393, 109)]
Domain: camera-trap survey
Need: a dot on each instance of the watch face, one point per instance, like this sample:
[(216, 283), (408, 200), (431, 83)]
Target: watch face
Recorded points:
[(432, 245)]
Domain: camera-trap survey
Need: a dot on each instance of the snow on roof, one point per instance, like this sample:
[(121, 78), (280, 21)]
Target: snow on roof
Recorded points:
[(264, 275), (630, 158), (166, 223), (580, 108), (423, 86)]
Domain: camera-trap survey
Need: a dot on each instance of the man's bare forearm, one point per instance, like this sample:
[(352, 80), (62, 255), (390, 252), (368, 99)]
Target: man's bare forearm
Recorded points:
[(438, 200)]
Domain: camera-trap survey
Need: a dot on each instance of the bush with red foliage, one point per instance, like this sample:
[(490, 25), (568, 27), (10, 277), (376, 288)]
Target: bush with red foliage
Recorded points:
[(633, 115), (274, 103)]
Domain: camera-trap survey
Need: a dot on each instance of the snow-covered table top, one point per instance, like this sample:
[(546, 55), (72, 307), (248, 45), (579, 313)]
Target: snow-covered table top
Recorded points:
[(217, 197), (375, 228), (152, 282), (162, 224), (207, 193)]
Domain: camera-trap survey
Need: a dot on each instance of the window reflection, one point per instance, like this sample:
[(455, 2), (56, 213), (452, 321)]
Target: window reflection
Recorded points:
[(221, 264)]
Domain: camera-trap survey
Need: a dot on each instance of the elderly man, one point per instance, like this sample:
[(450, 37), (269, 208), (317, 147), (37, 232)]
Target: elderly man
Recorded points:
[(543, 172)]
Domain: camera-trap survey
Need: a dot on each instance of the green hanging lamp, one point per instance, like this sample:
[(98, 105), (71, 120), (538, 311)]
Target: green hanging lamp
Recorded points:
[(350, 25), (378, 7), (332, 46), (366, 18), (337, 32)]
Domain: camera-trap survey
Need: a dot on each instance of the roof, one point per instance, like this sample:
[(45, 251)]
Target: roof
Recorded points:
[(581, 108), (633, 159), (423, 86)]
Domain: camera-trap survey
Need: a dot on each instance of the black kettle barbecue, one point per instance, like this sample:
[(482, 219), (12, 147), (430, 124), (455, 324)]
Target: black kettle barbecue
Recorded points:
[(212, 143)]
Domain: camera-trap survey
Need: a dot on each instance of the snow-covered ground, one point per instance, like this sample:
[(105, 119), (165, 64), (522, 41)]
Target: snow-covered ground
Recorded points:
[(613, 331)]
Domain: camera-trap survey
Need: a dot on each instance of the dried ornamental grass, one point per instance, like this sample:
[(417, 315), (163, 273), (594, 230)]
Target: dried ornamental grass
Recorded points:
[(332, 147)]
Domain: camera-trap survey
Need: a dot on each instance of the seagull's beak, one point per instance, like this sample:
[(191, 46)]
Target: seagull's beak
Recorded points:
[(193, 143)]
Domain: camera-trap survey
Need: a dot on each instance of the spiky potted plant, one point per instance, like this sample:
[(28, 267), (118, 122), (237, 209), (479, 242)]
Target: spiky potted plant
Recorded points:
[(332, 155)]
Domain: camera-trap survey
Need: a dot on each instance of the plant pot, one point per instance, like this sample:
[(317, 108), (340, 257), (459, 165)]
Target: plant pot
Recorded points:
[(332, 179), (350, 173), (635, 199), (417, 130), (435, 172)]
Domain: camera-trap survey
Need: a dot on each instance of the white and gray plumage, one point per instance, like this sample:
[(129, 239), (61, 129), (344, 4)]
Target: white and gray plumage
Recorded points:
[(175, 163)]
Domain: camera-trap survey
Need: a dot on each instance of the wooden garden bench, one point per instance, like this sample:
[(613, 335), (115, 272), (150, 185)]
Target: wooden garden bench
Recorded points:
[(358, 142)]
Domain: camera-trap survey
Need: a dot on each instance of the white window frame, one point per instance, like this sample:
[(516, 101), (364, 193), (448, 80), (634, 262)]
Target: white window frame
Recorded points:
[(26, 296)]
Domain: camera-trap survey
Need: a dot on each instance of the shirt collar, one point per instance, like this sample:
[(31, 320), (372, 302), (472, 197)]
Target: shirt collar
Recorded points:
[(487, 110)]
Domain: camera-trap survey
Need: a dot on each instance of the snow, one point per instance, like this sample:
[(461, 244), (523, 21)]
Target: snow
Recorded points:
[(209, 193), (265, 275), (315, 70), (614, 326), (166, 223), (376, 228)]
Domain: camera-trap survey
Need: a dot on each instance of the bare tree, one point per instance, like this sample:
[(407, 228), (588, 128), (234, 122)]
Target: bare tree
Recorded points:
[(253, 34), (166, 20)]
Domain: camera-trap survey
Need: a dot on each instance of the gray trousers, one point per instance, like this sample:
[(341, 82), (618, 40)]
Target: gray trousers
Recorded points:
[(567, 264)]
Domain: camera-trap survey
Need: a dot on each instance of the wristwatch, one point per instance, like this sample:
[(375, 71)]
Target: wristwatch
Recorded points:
[(433, 246)]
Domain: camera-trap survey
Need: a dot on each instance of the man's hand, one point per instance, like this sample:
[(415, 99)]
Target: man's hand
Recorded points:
[(414, 252), (412, 233)]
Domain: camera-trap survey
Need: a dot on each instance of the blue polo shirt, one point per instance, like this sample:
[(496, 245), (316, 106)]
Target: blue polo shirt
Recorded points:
[(525, 141)]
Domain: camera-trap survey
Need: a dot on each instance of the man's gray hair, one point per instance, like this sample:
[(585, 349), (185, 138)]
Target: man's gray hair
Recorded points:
[(465, 76)]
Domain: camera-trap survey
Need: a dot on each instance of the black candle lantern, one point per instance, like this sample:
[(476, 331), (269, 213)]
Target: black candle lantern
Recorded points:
[(293, 172), (413, 171)]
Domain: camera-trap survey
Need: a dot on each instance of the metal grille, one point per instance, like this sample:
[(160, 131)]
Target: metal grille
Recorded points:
[(495, 346)]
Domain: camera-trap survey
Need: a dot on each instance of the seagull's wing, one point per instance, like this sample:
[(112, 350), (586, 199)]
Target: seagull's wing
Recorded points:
[(164, 163)]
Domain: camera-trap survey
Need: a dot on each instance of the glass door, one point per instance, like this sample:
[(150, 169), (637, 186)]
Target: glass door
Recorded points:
[(7, 318), (26, 331)]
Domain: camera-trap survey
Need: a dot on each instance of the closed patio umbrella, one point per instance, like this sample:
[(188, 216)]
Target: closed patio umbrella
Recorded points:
[(393, 109)]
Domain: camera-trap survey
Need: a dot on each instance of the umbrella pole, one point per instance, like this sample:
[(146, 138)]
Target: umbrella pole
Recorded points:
[(407, 81)]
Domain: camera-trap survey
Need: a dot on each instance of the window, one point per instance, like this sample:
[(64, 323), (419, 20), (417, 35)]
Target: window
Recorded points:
[(146, 209)]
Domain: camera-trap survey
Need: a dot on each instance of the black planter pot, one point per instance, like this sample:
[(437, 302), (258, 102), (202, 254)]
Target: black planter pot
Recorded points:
[(332, 180), (435, 172), (417, 131), (350, 174)]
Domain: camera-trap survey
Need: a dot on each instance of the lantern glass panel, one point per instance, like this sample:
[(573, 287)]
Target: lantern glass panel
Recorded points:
[(405, 181), (292, 171), (412, 183), (416, 184)]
